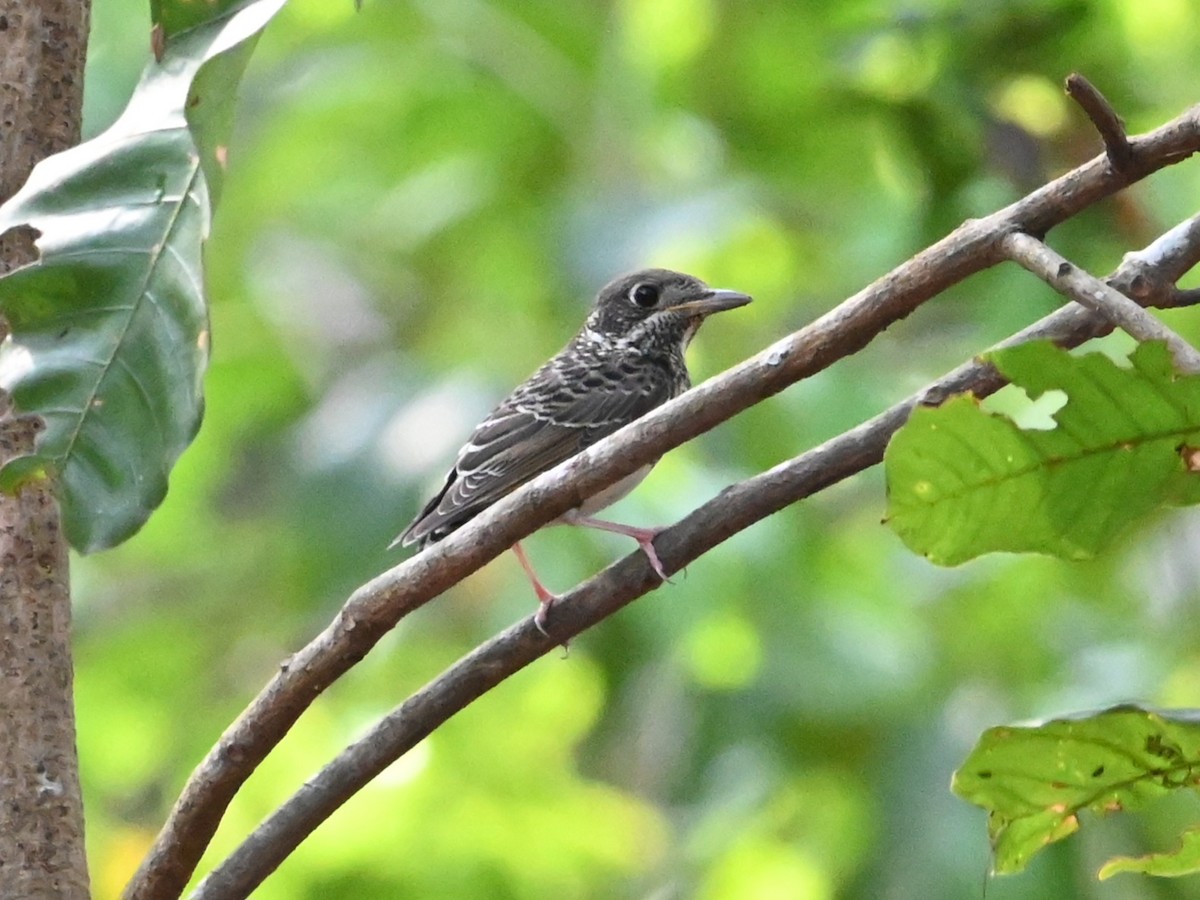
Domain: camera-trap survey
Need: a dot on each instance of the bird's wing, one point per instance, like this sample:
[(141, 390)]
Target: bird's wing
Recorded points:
[(529, 433)]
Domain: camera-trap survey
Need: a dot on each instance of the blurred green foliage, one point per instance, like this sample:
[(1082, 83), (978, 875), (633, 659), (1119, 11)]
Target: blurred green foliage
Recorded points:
[(422, 197)]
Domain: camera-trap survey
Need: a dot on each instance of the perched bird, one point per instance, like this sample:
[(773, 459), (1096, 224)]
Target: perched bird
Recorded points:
[(626, 360)]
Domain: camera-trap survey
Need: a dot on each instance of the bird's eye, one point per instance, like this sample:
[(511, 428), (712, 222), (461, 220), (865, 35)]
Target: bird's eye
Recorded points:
[(644, 295)]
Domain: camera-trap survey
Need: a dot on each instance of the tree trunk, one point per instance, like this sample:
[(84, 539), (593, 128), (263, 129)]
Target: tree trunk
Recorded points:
[(42, 49)]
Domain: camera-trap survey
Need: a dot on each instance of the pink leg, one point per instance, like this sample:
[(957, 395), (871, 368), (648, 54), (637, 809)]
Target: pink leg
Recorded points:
[(644, 536), (544, 595)]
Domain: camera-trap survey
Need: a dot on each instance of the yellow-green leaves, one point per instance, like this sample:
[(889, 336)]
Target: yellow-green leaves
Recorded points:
[(963, 482), (1035, 781)]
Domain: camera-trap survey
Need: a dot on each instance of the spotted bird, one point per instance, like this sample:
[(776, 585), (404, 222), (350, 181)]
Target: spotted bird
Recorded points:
[(627, 359)]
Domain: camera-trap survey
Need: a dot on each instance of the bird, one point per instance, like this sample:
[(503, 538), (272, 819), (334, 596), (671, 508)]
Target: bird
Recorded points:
[(627, 359)]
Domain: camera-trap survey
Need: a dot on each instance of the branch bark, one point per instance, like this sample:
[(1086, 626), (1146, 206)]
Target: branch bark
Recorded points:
[(377, 606), (1087, 290), (734, 510), (1104, 118), (42, 49)]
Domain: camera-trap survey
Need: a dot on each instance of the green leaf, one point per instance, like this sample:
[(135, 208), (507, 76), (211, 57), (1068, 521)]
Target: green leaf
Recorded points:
[(177, 16), (963, 482), (110, 327), (1034, 781), (1184, 860)]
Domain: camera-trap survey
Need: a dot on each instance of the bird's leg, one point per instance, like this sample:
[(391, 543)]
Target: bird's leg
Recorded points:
[(544, 595), (644, 536)]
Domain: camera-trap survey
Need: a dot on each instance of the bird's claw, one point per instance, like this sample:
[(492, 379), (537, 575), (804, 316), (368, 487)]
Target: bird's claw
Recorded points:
[(540, 618), (647, 545), (543, 613)]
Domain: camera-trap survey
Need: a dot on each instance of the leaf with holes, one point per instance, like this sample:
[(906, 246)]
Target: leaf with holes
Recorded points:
[(110, 327), (1034, 781), (963, 481)]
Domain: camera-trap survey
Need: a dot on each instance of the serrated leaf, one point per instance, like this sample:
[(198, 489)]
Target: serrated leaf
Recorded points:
[(1183, 860), (109, 329), (1034, 781), (963, 481)]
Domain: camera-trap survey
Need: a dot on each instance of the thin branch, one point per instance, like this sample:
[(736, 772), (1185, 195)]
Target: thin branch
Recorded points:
[(1152, 274), (1105, 118), (376, 607), (1085, 288), (733, 510)]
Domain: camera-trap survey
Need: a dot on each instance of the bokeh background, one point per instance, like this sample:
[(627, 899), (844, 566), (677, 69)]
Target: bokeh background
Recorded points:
[(422, 199)]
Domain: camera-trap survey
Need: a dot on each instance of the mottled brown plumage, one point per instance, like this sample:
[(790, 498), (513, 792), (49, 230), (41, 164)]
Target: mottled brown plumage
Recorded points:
[(627, 359)]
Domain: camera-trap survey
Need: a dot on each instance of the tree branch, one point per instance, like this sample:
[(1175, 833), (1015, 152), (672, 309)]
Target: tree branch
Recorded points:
[(1151, 274), (733, 510), (376, 607), (1088, 290), (1105, 118)]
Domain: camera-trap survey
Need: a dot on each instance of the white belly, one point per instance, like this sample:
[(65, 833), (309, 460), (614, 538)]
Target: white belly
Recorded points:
[(613, 493)]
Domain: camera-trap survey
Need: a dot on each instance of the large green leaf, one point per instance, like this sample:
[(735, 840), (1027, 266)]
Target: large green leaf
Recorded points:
[(1034, 781), (110, 327), (963, 482)]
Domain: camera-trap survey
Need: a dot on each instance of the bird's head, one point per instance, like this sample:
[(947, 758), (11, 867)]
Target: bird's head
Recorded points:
[(657, 305)]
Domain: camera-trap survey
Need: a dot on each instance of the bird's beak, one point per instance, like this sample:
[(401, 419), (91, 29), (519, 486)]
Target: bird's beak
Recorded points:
[(713, 301)]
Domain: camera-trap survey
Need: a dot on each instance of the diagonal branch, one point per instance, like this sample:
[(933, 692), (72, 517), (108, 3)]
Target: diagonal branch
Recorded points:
[(378, 605), (733, 510), (1088, 290)]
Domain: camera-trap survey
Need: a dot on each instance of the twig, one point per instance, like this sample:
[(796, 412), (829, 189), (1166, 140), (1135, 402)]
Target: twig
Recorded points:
[(733, 510), (1106, 120), (1083, 287), (378, 605), (1150, 275)]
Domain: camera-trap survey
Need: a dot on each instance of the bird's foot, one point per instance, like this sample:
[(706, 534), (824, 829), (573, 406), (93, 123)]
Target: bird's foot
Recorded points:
[(546, 597), (645, 539), (644, 536), (646, 542), (542, 616)]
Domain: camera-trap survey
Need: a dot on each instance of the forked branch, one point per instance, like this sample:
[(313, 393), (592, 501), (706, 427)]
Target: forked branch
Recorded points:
[(733, 510), (1088, 290), (377, 606)]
